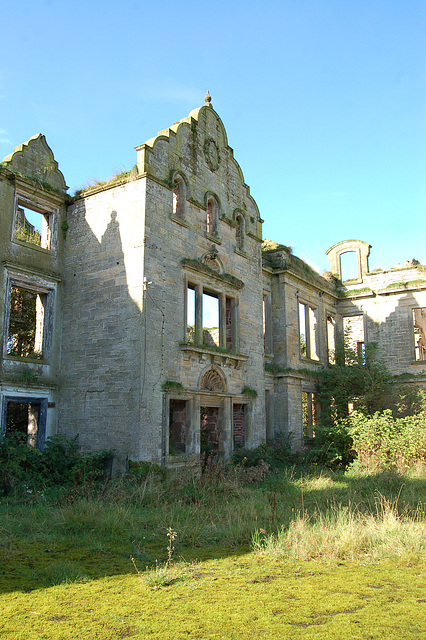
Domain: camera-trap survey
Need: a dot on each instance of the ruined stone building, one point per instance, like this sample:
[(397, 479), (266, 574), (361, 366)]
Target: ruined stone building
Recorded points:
[(146, 316)]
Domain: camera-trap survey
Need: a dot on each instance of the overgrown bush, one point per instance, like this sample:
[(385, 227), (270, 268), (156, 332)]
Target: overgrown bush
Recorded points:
[(59, 463), (384, 441), (333, 446), (141, 470), (276, 454)]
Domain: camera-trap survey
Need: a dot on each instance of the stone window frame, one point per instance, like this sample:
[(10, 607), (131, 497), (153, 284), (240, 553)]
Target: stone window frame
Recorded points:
[(30, 281), (223, 298), (309, 306), (43, 205)]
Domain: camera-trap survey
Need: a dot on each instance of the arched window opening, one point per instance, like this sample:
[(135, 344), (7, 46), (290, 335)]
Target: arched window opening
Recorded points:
[(349, 268), (240, 232), (211, 216), (178, 198)]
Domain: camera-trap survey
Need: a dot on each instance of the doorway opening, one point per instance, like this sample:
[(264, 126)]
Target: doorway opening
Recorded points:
[(209, 435)]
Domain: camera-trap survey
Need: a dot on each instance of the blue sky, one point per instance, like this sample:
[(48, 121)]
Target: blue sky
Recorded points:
[(323, 102)]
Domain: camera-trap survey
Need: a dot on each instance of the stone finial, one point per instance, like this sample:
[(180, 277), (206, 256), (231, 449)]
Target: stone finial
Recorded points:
[(208, 98)]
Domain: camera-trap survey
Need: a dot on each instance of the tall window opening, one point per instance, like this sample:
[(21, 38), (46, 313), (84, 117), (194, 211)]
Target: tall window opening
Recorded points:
[(177, 427), (209, 434), (26, 323), (353, 332), (190, 314), (308, 332), (210, 318), (240, 232), (309, 414), (239, 426), (349, 269), (212, 216), (211, 332), (419, 323), (267, 323), (331, 339), (179, 197), (33, 225)]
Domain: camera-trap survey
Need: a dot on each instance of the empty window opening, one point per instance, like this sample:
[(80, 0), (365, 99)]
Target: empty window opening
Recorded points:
[(267, 325), (178, 198), (33, 225), (23, 417), (190, 314), (177, 427), (353, 333), (210, 319), (308, 332), (240, 232), (331, 339), (239, 426), (349, 266), (309, 414), (209, 433), (26, 323), (211, 216), (360, 352), (419, 323)]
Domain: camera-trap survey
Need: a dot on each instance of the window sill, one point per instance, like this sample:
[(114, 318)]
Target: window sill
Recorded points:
[(30, 245), (180, 221), (309, 360), (242, 253), (211, 351), (213, 238), (26, 359)]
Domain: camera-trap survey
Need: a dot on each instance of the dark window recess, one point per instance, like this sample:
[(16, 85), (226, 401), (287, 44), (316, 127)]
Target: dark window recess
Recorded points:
[(238, 426), (177, 427), (26, 416), (209, 432)]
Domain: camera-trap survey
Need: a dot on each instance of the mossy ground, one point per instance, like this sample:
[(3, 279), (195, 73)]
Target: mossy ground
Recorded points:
[(230, 598), (66, 572)]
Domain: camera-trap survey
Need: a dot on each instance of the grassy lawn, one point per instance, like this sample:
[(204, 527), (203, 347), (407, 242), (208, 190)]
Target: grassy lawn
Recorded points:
[(331, 556)]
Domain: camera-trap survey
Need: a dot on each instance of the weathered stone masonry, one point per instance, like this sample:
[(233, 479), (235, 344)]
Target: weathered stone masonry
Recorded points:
[(148, 318)]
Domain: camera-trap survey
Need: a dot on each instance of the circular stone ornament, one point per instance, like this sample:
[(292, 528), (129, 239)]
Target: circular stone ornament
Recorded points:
[(211, 153)]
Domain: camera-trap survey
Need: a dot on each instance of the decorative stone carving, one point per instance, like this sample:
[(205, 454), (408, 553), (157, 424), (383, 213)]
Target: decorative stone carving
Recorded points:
[(211, 154), (212, 381), (212, 261)]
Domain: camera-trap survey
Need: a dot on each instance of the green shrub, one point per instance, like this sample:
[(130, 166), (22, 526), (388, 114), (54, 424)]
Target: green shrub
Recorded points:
[(276, 453), (143, 469), (333, 446), (384, 441), (60, 463)]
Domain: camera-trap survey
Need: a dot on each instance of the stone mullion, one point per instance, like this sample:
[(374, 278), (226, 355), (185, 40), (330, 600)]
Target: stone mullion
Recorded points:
[(222, 320)]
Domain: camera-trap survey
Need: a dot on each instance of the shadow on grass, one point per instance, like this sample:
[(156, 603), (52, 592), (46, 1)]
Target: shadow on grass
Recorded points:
[(43, 543)]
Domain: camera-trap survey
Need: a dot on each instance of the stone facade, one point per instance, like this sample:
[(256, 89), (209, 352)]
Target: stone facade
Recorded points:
[(148, 318)]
